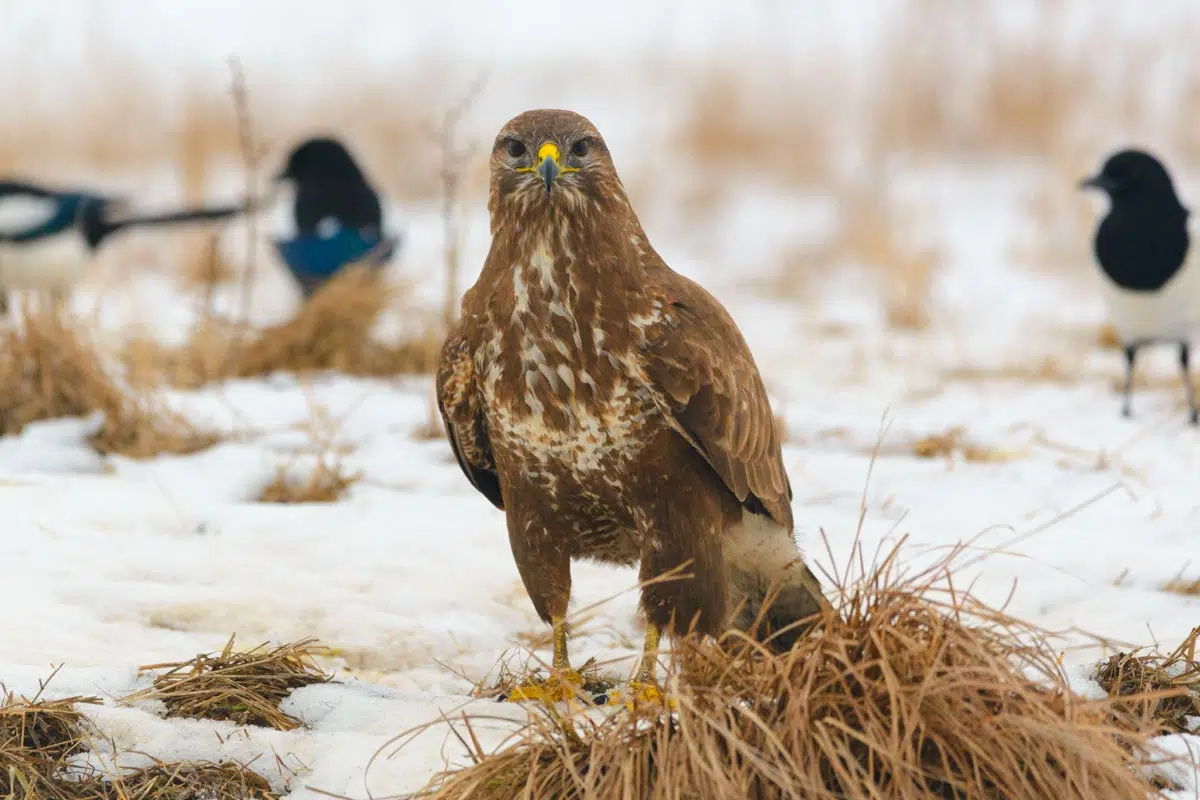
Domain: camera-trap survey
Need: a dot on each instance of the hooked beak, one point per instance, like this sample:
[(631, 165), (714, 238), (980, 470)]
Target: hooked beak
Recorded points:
[(548, 168), (1096, 182)]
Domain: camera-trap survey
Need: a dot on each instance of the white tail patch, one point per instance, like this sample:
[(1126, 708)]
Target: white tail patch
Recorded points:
[(20, 213), (761, 558), (758, 551)]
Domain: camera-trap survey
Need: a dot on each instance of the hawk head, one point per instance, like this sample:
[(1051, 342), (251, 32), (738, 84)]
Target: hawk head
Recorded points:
[(549, 159)]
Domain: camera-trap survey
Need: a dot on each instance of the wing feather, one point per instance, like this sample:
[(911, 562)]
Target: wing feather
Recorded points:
[(699, 362), (459, 404)]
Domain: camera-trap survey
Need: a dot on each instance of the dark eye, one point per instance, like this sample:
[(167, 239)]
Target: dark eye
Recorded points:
[(516, 149), (581, 148)]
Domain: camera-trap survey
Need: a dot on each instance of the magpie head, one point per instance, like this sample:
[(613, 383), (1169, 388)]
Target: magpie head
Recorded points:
[(1134, 177), (321, 160)]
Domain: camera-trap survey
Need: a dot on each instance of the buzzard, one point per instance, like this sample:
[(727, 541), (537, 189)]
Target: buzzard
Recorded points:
[(611, 408)]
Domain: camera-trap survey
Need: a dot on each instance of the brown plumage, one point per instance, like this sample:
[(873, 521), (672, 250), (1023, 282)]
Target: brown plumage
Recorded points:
[(610, 406)]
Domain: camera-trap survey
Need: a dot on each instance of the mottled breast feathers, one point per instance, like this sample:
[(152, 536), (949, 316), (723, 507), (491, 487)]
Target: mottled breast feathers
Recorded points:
[(700, 369)]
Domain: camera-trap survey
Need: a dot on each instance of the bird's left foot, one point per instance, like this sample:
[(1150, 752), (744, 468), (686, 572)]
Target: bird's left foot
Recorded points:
[(558, 688)]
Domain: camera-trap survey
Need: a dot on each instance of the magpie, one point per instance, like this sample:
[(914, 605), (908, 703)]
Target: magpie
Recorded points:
[(1143, 246), (335, 218), (48, 236)]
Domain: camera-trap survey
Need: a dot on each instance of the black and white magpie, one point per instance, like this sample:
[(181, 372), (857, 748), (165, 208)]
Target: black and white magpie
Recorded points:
[(48, 236), (335, 216), (1152, 281)]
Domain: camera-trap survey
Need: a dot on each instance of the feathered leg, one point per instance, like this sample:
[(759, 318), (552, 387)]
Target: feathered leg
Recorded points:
[(545, 568), (682, 567)]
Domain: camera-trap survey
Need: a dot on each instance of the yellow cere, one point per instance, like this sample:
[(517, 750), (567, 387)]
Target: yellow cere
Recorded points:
[(548, 150)]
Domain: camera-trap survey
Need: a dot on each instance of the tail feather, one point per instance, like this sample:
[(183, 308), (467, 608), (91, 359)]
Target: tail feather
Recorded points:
[(772, 590)]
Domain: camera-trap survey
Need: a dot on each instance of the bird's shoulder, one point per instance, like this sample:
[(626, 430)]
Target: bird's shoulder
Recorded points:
[(689, 321), (699, 362)]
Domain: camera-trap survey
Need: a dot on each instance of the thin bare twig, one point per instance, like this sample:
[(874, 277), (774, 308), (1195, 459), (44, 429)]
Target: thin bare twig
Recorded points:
[(455, 157), (250, 164)]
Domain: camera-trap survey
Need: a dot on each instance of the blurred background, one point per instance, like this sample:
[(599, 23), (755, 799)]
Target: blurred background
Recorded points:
[(891, 164)]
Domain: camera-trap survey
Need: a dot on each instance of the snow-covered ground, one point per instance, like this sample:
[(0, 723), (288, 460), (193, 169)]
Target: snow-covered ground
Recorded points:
[(106, 564)]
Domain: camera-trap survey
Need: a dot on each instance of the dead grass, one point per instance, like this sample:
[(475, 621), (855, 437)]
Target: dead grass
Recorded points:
[(951, 444), (872, 235), (243, 687), (205, 266), (1107, 339), (327, 482), (332, 331), (36, 738), (914, 692), (50, 369), (183, 781), (1050, 369), (1183, 586), (1163, 689)]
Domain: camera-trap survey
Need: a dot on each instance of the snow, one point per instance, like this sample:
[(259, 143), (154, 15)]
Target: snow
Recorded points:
[(107, 564)]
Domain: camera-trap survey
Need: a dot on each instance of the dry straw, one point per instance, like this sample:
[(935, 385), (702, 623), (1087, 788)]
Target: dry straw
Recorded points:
[(50, 369), (1164, 690), (1184, 586), (916, 691), (243, 687), (331, 331), (182, 781), (327, 482), (37, 737)]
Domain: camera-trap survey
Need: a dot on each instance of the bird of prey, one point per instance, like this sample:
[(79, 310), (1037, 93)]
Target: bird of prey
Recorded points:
[(48, 236), (1143, 246), (611, 408), (335, 218)]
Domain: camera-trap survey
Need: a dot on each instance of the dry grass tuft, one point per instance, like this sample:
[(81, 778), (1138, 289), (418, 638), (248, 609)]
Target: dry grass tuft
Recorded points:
[(205, 266), (183, 781), (914, 692), (243, 687), (1107, 339), (873, 235), (1050, 370), (953, 443), (1183, 586), (49, 369), (332, 331), (1164, 689), (36, 739), (326, 483)]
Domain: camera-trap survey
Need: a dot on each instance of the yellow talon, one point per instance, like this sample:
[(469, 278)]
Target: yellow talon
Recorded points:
[(642, 695), (558, 688)]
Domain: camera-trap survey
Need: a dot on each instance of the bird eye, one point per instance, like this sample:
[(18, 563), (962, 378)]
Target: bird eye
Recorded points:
[(581, 148), (516, 149)]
